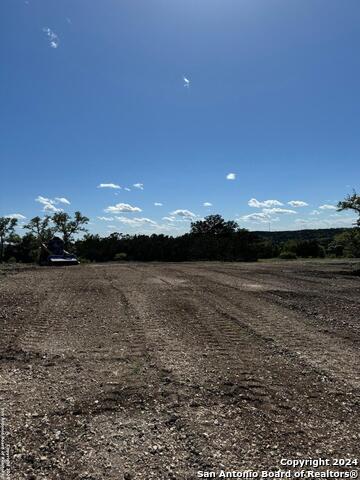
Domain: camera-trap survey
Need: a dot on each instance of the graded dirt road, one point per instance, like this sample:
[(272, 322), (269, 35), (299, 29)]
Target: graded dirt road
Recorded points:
[(156, 371)]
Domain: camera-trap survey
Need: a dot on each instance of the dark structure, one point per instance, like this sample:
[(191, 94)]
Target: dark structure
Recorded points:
[(54, 254)]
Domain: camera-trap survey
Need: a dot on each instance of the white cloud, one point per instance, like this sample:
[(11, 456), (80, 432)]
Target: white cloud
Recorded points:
[(315, 212), (145, 224), (127, 221), (62, 200), (266, 214), (106, 219), (158, 204), (18, 216), (272, 211), (324, 223), (43, 200), (127, 189), (184, 214), (147, 221), (327, 207), (186, 82), (51, 208), (260, 217), (265, 204), (207, 204), (298, 203), (53, 38), (109, 185), (135, 222), (48, 204), (256, 217), (140, 186), (231, 176), (169, 219), (122, 208)]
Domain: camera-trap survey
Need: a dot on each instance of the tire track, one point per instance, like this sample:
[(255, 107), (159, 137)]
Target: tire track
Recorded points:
[(290, 331)]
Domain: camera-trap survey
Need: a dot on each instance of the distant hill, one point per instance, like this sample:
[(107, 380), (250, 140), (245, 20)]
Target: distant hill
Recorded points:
[(322, 235)]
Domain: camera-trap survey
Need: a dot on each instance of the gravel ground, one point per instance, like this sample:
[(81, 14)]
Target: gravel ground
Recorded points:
[(158, 371)]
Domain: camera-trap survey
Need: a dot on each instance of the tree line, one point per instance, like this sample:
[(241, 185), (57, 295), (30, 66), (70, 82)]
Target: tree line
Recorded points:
[(212, 238)]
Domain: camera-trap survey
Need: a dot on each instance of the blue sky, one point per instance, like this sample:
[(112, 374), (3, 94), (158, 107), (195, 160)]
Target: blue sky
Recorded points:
[(93, 92)]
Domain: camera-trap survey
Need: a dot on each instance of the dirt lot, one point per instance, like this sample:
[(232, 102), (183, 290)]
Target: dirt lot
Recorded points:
[(141, 371)]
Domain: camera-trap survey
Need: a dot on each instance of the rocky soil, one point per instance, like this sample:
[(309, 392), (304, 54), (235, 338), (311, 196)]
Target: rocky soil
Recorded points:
[(158, 371)]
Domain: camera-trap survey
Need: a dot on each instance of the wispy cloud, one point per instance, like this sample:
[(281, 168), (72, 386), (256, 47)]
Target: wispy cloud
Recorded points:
[(187, 82), (48, 207), (52, 37), (315, 212), (183, 213), (257, 218), (324, 222), (282, 211), (140, 186), (109, 185), (49, 204), (62, 200), (127, 189), (265, 204), (231, 176), (269, 211), (122, 208), (136, 222), (207, 204), (18, 216), (106, 219), (297, 203), (327, 207), (158, 204), (145, 224)]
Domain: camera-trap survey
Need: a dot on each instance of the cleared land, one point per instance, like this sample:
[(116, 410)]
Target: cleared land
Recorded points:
[(160, 370)]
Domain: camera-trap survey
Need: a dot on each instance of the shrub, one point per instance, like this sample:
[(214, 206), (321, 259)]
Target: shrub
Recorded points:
[(349, 242), (304, 248), (120, 257), (288, 256), (84, 260)]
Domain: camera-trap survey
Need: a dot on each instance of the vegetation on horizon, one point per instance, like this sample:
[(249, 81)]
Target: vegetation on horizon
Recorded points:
[(212, 238)]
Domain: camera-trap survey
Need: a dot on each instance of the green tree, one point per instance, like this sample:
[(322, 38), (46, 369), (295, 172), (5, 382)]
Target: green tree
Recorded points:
[(214, 225), (348, 243), (67, 226), (7, 228), (351, 202), (40, 227), (28, 250), (303, 248)]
